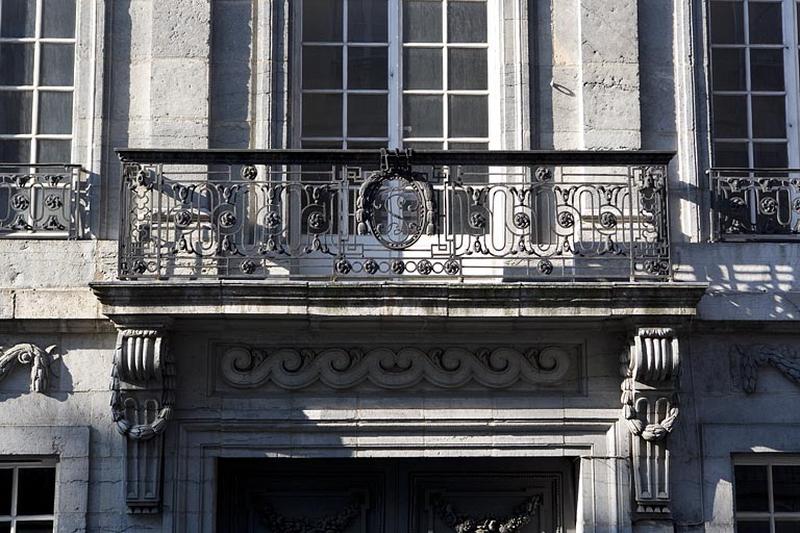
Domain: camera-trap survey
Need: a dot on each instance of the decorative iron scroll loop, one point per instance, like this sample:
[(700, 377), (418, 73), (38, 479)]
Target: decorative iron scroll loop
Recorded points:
[(395, 204)]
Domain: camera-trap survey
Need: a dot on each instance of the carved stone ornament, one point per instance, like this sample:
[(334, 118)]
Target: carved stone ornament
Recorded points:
[(142, 400), (461, 523), (335, 523), (338, 368), (651, 368), (39, 359), (395, 204), (752, 358)]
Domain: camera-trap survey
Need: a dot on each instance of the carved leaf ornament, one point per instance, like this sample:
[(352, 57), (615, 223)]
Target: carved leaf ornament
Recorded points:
[(753, 358), (28, 354), (461, 523), (336, 523), (453, 367)]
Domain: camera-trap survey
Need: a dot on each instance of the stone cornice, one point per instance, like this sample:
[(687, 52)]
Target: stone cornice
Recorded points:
[(546, 301)]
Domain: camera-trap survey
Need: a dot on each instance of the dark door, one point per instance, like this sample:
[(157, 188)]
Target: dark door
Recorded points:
[(395, 496)]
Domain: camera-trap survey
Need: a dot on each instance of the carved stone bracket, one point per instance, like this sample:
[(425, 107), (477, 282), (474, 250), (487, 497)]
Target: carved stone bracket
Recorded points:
[(29, 354), (142, 400), (651, 368), (752, 358)]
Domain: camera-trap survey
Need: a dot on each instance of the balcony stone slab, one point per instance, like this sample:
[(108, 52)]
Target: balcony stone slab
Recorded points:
[(320, 300)]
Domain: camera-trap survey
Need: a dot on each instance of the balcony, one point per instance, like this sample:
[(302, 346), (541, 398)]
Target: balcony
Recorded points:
[(368, 215), (41, 201), (756, 204)]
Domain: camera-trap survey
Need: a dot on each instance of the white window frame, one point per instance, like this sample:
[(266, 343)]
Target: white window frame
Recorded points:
[(768, 460), (494, 46), (791, 92), (37, 40), (16, 466)]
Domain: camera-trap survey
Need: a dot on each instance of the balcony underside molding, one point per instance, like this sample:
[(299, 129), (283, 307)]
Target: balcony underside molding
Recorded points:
[(558, 301)]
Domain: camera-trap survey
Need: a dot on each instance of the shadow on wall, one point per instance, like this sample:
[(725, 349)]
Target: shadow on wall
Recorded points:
[(748, 281)]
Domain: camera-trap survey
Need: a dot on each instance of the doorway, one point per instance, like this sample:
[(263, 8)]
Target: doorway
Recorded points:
[(399, 495)]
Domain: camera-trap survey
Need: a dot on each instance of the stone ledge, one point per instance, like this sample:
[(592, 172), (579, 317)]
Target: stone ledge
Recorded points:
[(188, 299)]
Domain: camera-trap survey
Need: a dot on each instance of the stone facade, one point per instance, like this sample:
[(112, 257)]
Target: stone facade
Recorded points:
[(707, 363)]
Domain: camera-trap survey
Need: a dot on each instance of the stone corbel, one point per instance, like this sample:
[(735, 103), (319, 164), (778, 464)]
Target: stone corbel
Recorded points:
[(650, 409), (142, 400), (29, 354)]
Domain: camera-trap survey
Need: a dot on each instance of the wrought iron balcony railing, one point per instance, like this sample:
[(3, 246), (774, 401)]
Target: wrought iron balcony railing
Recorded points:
[(40, 200), (363, 215), (756, 204)]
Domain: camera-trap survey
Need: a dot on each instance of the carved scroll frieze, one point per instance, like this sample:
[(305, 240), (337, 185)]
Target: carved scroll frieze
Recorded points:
[(751, 359), (142, 400), (335, 523), (651, 369), (392, 368), (40, 361)]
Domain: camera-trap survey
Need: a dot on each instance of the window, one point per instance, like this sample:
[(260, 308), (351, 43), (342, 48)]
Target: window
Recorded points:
[(27, 496), (767, 494), (397, 73), (37, 51)]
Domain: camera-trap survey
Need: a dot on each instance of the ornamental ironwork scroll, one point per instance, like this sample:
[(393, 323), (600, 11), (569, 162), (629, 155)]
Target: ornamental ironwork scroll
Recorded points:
[(41, 199), (404, 221)]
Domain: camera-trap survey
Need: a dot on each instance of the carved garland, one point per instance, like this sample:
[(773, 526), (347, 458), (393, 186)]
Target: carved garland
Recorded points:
[(337, 523), (753, 358), (29, 354), (137, 359), (461, 523)]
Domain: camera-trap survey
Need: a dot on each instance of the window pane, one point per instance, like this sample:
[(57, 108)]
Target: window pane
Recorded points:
[(786, 488), (770, 155), (476, 147), (35, 490), (422, 21), (6, 479), (466, 22), (730, 116), (367, 115), (5, 527), (58, 18), (766, 24), (54, 151), (55, 112), (727, 22), (366, 145), (18, 18), (729, 69), (751, 526), (787, 527), (467, 69), (422, 145), (422, 115), (469, 116), (751, 488), (766, 70), (769, 117), (16, 111), (366, 21), (322, 67), (15, 151), (322, 115), (16, 64), (731, 155), (56, 64), (35, 527), (422, 68), (322, 20), (367, 67)]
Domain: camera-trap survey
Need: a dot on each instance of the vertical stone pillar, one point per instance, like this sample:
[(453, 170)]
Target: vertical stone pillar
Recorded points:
[(610, 88), (650, 409), (180, 71), (142, 399)]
